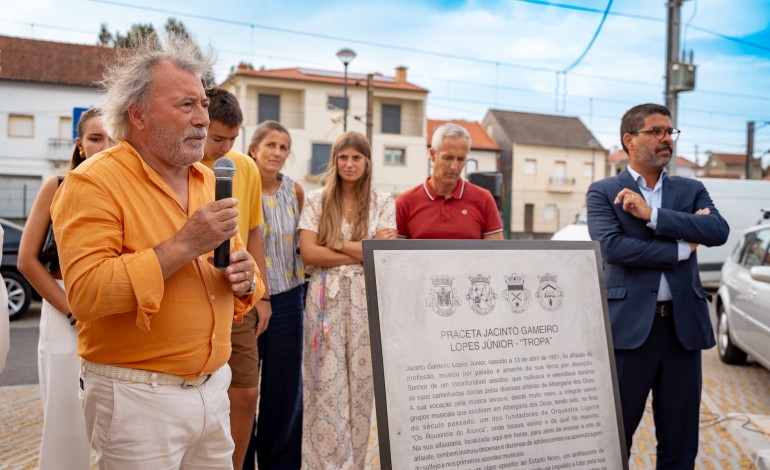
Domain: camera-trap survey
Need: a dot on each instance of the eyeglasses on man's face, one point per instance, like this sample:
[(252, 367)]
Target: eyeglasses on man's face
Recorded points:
[(659, 132)]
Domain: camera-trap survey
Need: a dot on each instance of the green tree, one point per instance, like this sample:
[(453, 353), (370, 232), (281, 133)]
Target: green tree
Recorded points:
[(172, 27), (105, 36)]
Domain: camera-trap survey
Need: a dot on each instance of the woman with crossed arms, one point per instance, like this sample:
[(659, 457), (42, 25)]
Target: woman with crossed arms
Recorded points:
[(338, 390)]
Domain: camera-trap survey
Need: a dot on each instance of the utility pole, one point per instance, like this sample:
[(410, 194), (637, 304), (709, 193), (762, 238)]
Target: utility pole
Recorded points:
[(369, 106), (680, 75), (749, 148)]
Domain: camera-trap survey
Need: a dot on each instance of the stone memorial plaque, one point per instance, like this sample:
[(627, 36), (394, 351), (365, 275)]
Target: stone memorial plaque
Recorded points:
[(492, 355)]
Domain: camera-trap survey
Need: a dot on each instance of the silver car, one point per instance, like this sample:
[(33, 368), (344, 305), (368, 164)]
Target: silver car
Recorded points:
[(743, 300)]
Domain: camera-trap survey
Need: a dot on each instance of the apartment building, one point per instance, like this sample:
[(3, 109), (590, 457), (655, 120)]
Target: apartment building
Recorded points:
[(311, 104)]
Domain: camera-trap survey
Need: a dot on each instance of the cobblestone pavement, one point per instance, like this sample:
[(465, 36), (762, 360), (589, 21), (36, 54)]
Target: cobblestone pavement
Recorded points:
[(734, 422)]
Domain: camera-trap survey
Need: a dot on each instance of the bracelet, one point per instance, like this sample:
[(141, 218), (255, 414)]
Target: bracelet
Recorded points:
[(267, 299), (72, 319)]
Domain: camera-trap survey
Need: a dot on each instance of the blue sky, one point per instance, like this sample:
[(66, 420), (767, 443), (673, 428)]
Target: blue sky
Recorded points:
[(474, 55)]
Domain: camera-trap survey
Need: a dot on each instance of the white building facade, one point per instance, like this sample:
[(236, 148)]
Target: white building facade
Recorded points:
[(41, 84), (310, 104)]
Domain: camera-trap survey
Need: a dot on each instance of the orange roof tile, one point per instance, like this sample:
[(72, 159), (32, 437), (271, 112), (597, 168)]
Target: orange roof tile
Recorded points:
[(621, 155), (683, 162), (730, 158), (326, 76), (31, 60), (480, 139)]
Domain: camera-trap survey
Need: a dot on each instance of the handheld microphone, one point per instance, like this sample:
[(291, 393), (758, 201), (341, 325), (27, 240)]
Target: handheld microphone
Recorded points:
[(224, 170)]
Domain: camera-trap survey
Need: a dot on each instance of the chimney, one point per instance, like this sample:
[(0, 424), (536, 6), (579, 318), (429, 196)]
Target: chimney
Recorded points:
[(400, 74)]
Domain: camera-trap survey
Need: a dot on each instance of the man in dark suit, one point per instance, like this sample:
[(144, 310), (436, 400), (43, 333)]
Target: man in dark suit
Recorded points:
[(649, 225)]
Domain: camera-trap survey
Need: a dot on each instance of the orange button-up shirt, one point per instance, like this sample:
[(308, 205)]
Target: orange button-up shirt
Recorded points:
[(108, 216)]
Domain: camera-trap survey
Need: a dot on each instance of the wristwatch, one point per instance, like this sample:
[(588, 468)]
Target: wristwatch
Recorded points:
[(337, 245)]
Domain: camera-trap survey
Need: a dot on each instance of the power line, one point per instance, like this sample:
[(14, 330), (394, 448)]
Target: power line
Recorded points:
[(563, 73), (439, 54), (331, 37), (607, 100), (591, 10), (593, 39), (646, 18), (48, 26), (730, 38), (434, 53), (589, 76)]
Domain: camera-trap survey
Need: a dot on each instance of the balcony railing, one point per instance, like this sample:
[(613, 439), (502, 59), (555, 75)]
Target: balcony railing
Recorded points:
[(561, 184), (59, 149)]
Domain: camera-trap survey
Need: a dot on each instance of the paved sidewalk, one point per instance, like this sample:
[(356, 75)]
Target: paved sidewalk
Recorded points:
[(734, 427)]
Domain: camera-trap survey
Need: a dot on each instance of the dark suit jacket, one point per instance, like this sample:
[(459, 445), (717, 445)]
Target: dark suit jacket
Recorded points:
[(635, 256)]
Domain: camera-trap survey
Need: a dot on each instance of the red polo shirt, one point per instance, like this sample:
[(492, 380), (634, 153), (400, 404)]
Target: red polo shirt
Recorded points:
[(468, 213)]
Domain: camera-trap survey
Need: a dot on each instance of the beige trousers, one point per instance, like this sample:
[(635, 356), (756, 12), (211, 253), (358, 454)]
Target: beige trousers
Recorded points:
[(133, 427)]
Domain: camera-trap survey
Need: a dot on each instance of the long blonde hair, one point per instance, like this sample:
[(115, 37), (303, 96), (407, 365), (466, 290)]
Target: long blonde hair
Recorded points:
[(329, 227)]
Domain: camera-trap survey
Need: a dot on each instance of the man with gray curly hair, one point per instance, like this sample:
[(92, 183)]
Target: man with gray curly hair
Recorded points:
[(135, 227)]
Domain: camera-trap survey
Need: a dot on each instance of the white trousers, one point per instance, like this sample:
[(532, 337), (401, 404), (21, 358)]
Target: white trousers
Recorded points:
[(134, 427), (64, 444)]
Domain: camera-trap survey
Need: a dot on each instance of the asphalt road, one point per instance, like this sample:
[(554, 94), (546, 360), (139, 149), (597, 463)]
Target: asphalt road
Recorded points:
[(21, 365)]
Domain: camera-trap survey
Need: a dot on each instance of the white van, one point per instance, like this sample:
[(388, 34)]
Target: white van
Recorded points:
[(740, 202)]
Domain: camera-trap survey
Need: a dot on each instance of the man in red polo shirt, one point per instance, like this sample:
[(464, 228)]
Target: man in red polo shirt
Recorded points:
[(445, 205)]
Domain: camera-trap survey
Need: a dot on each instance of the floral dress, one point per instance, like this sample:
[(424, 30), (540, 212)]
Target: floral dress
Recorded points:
[(338, 390)]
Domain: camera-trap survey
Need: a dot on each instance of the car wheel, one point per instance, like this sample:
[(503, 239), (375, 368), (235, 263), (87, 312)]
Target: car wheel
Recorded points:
[(728, 352), (19, 294)]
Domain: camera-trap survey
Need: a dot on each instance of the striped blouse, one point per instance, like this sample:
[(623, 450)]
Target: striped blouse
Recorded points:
[(285, 270)]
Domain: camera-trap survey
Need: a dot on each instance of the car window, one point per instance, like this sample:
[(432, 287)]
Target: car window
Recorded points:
[(756, 251), (738, 250)]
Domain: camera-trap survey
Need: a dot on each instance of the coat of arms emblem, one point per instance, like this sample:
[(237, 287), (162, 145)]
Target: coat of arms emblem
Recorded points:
[(480, 296), (549, 294), (515, 295), (443, 297)]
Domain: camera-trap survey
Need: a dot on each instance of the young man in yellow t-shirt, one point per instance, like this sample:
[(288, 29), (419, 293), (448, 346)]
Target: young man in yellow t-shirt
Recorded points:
[(226, 118)]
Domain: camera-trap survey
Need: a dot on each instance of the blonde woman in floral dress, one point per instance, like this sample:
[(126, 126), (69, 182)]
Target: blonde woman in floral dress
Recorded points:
[(338, 390)]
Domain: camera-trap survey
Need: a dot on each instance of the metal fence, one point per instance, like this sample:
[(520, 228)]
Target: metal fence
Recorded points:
[(17, 196)]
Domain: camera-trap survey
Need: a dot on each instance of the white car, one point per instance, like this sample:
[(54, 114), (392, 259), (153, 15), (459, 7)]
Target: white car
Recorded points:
[(577, 230), (743, 300)]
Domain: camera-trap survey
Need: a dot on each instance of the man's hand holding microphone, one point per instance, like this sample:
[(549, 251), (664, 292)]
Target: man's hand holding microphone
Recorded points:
[(210, 228)]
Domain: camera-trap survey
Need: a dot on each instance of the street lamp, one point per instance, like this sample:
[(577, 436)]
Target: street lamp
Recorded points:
[(346, 56)]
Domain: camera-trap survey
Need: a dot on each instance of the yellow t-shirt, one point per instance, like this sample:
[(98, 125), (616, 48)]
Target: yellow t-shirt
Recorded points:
[(247, 188)]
